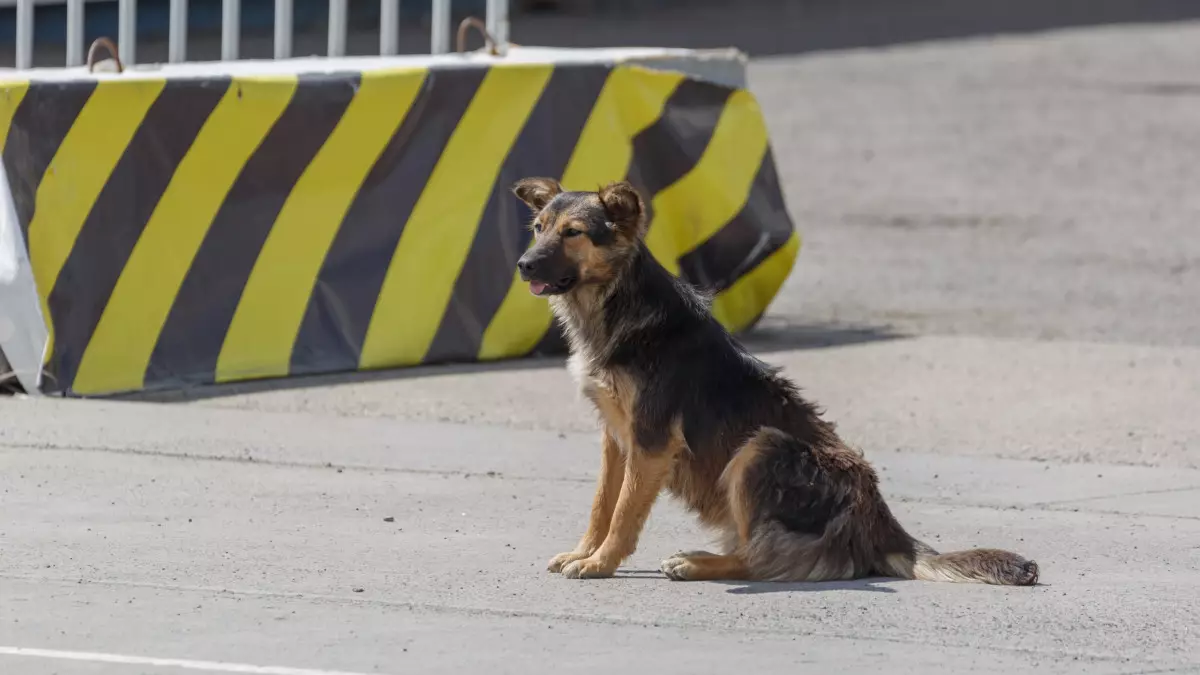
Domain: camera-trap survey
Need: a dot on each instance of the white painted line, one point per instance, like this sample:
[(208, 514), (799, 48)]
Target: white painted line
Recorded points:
[(211, 666)]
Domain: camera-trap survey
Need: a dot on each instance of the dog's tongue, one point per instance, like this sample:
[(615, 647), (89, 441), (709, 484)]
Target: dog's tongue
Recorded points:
[(536, 287)]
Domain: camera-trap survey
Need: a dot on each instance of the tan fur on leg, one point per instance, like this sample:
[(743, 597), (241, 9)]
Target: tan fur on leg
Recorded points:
[(608, 488), (645, 473), (733, 481)]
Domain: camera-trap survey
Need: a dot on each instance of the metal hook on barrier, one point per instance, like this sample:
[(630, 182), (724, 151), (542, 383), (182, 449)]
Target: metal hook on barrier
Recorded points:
[(482, 28), (112, 50)]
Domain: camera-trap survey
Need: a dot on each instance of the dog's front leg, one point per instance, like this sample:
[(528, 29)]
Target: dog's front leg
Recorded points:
[(645, 473), (608, 488)]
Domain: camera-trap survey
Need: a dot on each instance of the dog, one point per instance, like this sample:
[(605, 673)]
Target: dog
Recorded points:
[(684, 406)]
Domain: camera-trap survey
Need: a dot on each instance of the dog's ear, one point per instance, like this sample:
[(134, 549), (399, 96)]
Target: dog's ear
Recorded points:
[(624, 207), (536, 192)]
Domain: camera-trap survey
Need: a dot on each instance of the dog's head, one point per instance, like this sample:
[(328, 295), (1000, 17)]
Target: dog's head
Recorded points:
[(580, 238)]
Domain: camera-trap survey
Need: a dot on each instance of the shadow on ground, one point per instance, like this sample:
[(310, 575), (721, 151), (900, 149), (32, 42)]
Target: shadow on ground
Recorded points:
[(760, 587), (209, 391), (778, 336), (870, 585), (769, 337)]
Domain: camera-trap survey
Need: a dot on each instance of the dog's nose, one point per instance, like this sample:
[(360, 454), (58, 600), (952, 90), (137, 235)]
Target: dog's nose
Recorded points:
[(526, 267)]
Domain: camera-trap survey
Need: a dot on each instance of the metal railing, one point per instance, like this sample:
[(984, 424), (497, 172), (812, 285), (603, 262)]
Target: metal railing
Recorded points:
[(389, 29)]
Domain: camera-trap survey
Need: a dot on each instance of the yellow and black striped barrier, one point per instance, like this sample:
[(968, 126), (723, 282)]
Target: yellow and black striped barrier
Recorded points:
[(186, 230)]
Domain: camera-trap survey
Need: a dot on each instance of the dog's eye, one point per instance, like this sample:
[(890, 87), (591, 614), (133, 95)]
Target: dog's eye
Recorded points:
[(571, 232), (537, 226)]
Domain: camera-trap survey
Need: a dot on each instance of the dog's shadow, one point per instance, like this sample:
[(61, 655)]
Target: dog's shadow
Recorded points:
[(870, 584), (759, 587)]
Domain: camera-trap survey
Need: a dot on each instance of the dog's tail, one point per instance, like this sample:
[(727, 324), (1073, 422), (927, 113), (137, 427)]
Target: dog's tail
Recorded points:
[(980, 565), (921, 562)]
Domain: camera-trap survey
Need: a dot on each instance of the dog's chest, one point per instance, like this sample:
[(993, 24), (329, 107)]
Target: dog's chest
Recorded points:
[(610, 392)]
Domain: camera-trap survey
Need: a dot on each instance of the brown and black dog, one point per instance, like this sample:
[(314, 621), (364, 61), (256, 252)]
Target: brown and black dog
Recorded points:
[(685, 407)]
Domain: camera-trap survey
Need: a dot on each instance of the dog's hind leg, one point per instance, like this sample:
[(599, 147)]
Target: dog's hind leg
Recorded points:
[(794, 507), (704, 566)]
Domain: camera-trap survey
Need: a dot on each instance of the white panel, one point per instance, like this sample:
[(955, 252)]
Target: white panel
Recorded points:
[(23, 334)]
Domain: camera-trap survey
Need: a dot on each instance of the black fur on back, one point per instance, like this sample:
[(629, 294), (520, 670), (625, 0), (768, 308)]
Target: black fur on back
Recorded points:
[(689, 367)]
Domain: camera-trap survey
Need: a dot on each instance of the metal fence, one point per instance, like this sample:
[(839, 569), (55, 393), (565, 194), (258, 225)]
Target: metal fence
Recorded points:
[(389, 29)]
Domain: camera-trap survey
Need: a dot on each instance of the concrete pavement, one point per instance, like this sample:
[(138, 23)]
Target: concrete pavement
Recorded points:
[(1033, 187), (149, 531)]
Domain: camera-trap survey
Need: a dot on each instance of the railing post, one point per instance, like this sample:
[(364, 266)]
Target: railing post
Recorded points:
[(389, 27), (24, 57), (283, 29), (231, 29), (74, 33), (177, 33), (439, 29), (337, 28), (127, 31), (497, 23)]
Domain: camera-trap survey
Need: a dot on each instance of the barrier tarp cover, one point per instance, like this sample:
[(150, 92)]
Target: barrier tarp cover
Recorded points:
[(197, 230)]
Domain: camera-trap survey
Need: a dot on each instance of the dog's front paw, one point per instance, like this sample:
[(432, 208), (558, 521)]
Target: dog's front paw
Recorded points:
[(589, 568), (563, 559)]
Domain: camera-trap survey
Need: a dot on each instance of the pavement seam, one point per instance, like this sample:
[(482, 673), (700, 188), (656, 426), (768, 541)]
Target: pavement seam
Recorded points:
[(558, 616), (1046, 507), (283, 463), (1120, 494)]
